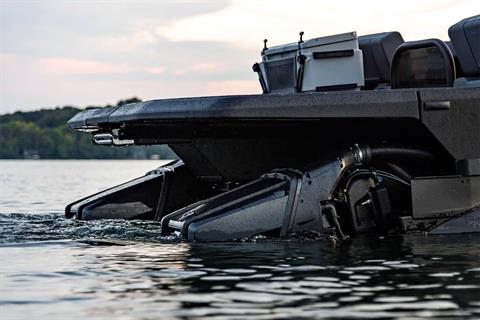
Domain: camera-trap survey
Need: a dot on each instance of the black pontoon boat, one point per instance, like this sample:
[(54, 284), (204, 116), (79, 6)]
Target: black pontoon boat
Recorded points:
[(351, 135)]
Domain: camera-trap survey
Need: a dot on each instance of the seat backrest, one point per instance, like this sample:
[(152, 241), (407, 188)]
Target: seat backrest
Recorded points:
[(424, 63), (465, 37), (378, 50)]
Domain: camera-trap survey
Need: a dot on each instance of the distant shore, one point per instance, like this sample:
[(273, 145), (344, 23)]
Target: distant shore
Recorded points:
[(44, 134)]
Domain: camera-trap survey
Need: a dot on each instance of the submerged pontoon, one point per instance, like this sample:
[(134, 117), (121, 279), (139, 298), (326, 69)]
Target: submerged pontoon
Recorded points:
[(351, 135)]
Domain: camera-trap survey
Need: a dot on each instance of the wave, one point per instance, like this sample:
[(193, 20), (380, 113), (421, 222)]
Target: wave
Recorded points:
[(20, 227)]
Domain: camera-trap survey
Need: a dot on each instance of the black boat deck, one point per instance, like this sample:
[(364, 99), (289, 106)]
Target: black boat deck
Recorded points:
[(352, 104)]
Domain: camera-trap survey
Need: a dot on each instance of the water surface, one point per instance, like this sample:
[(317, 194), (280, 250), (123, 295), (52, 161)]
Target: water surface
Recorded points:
[(52, 268)]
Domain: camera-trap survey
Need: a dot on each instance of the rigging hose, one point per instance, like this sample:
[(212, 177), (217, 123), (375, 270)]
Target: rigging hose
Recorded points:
[(366, 155), (400, 153)]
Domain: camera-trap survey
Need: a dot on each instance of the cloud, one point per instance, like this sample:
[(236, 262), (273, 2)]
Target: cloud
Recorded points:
[(58, 27), (156, 70), (69, 66), (247, 23), (229, 87), (83, 52), (129, 42)]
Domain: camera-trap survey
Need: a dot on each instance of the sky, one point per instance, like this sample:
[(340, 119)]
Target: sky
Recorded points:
[(56, 53)]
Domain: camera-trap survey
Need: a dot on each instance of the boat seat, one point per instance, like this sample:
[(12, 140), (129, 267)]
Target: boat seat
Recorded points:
[(424, 63), (465, 40), (378, 50)]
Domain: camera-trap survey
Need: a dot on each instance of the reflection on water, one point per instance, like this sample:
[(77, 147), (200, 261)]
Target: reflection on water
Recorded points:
[(108, 274), (52, 268)]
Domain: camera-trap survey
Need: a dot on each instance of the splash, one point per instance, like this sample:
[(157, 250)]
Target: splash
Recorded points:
[(19, 227)]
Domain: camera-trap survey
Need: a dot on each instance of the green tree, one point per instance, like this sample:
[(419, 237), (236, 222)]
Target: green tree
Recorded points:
[(45, 133)]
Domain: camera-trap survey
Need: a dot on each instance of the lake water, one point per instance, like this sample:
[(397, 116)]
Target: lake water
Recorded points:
[(52, 268)]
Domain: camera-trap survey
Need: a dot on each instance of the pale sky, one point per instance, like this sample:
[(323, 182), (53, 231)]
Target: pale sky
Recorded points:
[(55, 53)]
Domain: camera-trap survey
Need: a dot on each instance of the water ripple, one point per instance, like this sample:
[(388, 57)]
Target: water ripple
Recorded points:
[(125, 269), (18, 227)]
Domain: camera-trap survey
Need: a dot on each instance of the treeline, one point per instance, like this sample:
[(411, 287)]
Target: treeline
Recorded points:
[(44, 134)]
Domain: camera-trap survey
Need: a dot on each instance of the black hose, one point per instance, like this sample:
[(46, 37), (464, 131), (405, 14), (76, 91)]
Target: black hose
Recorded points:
[(397, 170), (395, 153), (361, 156), (369, 173)]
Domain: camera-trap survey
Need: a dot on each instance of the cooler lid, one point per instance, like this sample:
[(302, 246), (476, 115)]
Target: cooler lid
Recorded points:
[(321, 41), (315, 42), (283, 48)]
